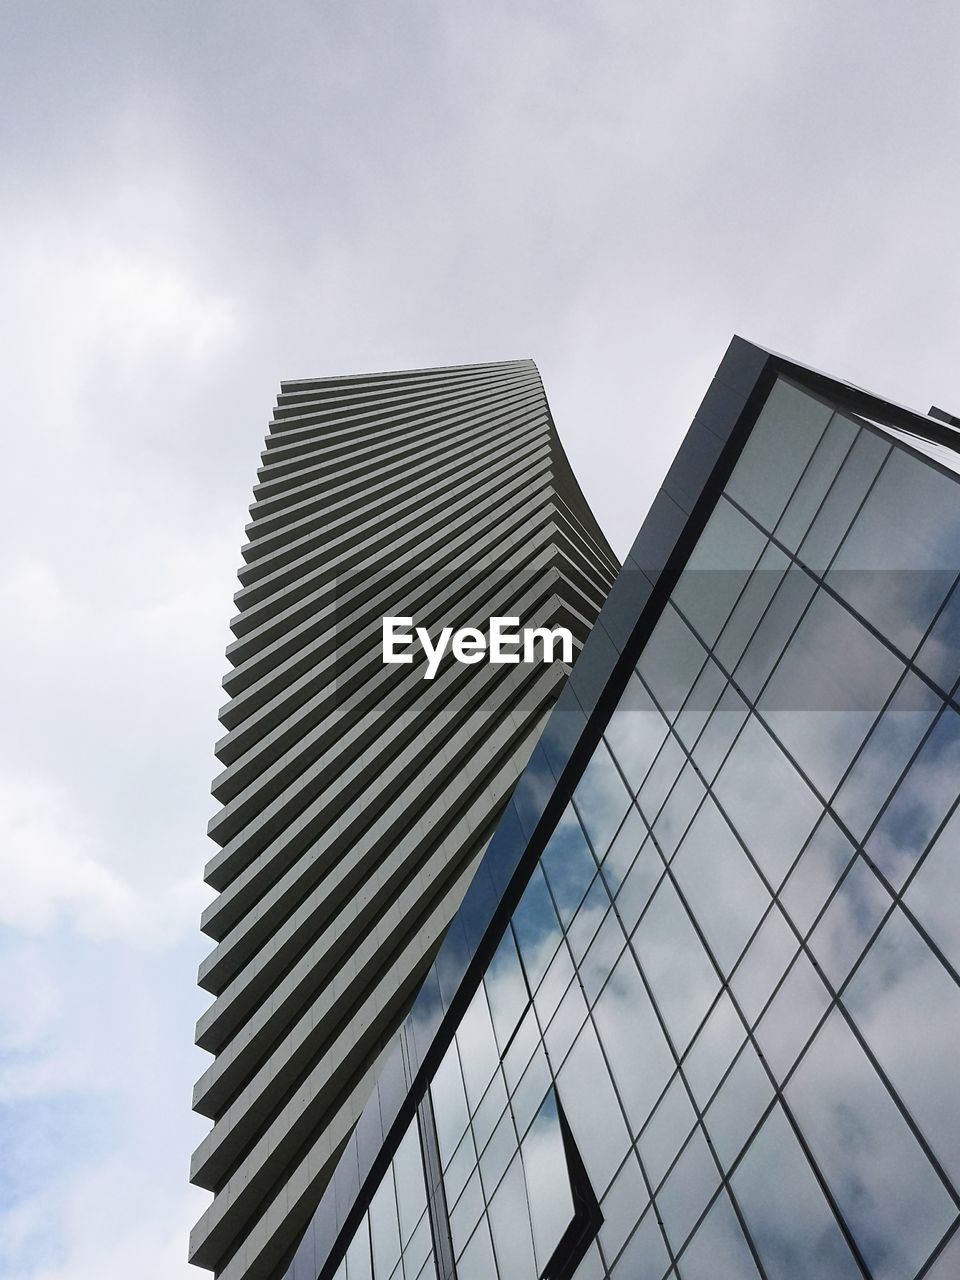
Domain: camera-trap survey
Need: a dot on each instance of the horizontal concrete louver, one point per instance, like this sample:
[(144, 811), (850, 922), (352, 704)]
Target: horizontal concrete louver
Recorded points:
[(357, 798)]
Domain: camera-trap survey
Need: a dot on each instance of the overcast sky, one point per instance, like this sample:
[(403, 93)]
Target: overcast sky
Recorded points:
[(199, 199)]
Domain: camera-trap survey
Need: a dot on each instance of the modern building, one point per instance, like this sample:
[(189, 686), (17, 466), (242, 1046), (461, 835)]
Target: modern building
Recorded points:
[(698, 1014), (358, 797)]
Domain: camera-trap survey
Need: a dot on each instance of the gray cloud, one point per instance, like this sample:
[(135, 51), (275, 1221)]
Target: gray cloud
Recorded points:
[(198, 200)]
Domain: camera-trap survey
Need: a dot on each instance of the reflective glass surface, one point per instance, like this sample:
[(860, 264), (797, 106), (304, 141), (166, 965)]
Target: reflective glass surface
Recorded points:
[(394, 1241), (728, 1002)]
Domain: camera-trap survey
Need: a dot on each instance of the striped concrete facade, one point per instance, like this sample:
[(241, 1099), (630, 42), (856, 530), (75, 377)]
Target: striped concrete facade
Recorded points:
[(357, 798)]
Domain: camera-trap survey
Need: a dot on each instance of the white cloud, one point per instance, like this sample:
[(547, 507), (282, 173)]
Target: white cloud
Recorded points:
[(51, 879), (34, 597), (112, 1220)]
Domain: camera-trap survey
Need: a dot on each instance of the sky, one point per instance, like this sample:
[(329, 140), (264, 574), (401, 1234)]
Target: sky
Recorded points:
[(197, 200)]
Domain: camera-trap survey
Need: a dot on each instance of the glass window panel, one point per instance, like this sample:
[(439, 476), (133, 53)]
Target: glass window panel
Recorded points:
[(712, 1052), (466, 1213), (821, 865), (908, 1008), (498, 1153), (810, 492), (670, 1126), (551, 990), (458, 1171), (687, 1190), (892, 1200), (521, 1049), (935, 891), (622, 1206), (665, 771), (886, 754), (449, 1103), (591, 1107), (637, 889), (703, 698), (601, 799), (506, 989), (548, 1180), (358, 1259), (947, 1266), (624, 850), (738, 1106), (849, 920), (566, 1022), (568, 865), (920, 803), (411, 1188), (588, 919), (755, 771), (902, 553), (633, 1041), (840, 505), (510, 1224), (793, 1014), (939, 655), (720, 731), (683, 980), (591, 1267), (385, 1228), (671, 661), (721, 887), (489, 1111), (676, 814), (531, 1090), (764, 964), (645, 1253), (718, 1250), (774, 631), (787, 1214), (780, 446), (602, 956), (476, 1261), (717, 570), (751, 607), (479, 1056), (418, 1250), (827, 690), (536, 928), (635, 732)]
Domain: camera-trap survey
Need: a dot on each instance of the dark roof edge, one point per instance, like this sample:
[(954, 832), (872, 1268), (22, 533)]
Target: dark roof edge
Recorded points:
[(858, 400), (674, 522), (346, 379)]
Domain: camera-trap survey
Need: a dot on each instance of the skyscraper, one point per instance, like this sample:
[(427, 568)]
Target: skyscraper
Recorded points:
[(698, 1014), (357, 797)]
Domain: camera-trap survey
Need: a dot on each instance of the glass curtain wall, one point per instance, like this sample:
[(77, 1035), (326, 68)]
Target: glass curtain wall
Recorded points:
[(394, 1240), (727, 1008)]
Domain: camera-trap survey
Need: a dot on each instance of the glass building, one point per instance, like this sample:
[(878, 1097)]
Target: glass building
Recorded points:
[(698, 1015)]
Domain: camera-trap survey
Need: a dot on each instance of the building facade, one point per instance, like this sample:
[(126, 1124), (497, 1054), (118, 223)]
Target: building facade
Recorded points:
[(358, 797), (698, 1014)]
